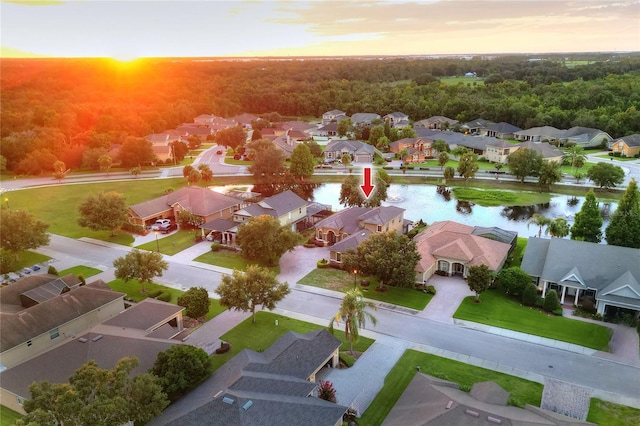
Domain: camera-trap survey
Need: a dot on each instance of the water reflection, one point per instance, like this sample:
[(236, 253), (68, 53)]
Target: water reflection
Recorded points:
[(524, 213), (464, 207), (302, 189)]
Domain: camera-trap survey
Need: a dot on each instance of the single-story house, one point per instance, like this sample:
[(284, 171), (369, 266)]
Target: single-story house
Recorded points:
[(438, 122), (204, 119), (143, 330), (498, 150), (333, 115), (539, 134), (243, 120), (273, 387), (198, 201), (548, 151), (586, 137), (326, 130), (397, 119), (629, 146), (500, 130), (360, 152), (575, 269), (364, 118), (450, 248), (475, 126), (431, 401)]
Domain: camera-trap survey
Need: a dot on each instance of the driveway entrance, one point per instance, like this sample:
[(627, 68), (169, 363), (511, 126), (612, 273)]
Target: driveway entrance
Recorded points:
[(450, 291)]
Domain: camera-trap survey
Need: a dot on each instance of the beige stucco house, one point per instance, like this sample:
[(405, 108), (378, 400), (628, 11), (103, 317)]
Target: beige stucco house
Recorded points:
[(629, 146)]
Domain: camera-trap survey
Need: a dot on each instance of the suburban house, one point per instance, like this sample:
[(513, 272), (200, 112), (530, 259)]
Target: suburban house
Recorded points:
[(431, 401), (586, 137), (286, 206), (576, 269), (498, 150), (204, 119), (349, 227), (548, 151), (362, 119), (196, 200), (397, 119), (629, 146), (500, 130), (538, 134), (475, 126), (418, 149), (40, 311), (244, 120), (327, 130), (437, 122), (360, 152), (143, 330), (450, 248), (333, 115), (274, 387), (164, 138), (285, 143)]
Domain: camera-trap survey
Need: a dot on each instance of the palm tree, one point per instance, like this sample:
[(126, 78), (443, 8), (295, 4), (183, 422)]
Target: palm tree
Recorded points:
[(352, 312), (540, 221), (576, 156), (558, 228)]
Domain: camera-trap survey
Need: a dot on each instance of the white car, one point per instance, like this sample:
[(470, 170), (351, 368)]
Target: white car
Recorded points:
[(161, 225)]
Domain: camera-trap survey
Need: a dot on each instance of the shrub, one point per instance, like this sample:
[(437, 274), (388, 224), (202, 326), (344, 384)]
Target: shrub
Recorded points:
[(551, 302), (154, 293), (133, 228), (196, 300), (52, 270), (529, 295), (514, 280), (322, 263), (347, 359), (224, 348), (557, 312), (215, 247), (364, 283), (164, 296), (326, 391), (180, 368), (539, 302), (431, 290), (588, 304), (309, 245), (7, 262), (83, 281)]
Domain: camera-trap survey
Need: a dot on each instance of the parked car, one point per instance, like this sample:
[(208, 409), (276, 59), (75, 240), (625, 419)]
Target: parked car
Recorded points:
[(163, 225), (35, 267), (26, 271), (219, 152)]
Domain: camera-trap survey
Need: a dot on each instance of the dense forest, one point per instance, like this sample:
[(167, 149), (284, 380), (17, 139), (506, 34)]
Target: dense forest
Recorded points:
[(65, 106)]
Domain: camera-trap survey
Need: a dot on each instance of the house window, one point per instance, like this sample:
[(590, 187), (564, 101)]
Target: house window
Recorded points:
[(20, 400), (443, 265), (379, 228), (55, 333), (338, 257)]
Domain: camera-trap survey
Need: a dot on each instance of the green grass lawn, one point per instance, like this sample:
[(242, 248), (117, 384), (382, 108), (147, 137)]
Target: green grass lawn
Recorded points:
[(522, 391), (86, 271), (461, 79), (264, 333), (134, 293), (231, 260), (515, 258), (605, 413), (230, 160), (335, 279), (617, 158), (499, 311), (489, 198), (29, 258), (171, 244), (8, 417)]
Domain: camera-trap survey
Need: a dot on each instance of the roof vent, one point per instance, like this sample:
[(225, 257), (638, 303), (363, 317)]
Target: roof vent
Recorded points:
[(82, 340), (495, 420), (228, 400), (247, 405), (96, 338), (472, 413)]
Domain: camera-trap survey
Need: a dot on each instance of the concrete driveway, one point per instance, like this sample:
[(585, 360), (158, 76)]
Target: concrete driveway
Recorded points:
[(450, 291), (297, 263)]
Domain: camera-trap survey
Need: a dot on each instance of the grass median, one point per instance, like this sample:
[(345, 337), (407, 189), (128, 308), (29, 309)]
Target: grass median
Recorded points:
[(499, 311)]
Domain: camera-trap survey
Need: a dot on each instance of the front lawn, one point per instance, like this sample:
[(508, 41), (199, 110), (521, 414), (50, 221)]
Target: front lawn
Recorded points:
[(490, 198), (265, 332), (335, 279), (86, 271), (522, 391), (28, 258), (499, 311), (133, 292), (8, 417), (171, 244), (605, 413), (231, 260)]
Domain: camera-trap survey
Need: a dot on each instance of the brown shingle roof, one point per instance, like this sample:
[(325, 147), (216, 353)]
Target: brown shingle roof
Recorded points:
[(198, 201)]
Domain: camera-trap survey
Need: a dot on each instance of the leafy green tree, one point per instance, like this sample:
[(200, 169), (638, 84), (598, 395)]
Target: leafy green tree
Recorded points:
[(375, 134), (588, 221), (407, 132), (206, 174), (231, 137), (181, 368), (551, 302), (104, 211), (315, 148), (558, 228), (606, 175), (513, 280), (449, 173), (440, 146), (353, 313), (390, 256), (382, 175), (540, 221), (268, 164), (479, 279), (135, 151), (263, 238), (140, 265), (301, 162), (383, 143), (194, 177), (345, 159), (549, 174), (524, 162), (186, 170), (135, 171), (624, 227), (468, 165), (443, 158), (186, 219), (59, 170), (351, 194), (244, 291), (104, 163), (196, 300), (97, 396), (387, 128), (344, 127), (194, 142), (458, 151), (179, 149), (19, 231)]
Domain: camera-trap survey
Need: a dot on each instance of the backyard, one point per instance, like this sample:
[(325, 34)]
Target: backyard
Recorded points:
[(499, 311), (338, 280)]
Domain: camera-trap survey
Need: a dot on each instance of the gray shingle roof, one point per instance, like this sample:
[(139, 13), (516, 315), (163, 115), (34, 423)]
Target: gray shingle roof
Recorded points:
[(503, 127), (197, 200), (348, 220), (145, 315), (364, 117), (351, 242), (631, 140), (542, 148)]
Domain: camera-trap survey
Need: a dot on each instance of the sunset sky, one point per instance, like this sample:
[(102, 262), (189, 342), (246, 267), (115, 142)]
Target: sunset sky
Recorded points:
[(135, 28)]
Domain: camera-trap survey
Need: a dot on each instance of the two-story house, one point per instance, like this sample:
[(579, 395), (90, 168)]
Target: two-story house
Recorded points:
[(397, 119), (498, 151), (438, 122), (629, 146), (418, 149), (333, 115), (360, 152)]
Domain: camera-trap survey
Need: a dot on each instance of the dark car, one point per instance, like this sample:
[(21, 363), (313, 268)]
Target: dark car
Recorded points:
[(35, 268)]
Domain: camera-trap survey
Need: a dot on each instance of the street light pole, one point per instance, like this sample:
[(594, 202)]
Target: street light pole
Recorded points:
[(6, 200), (157, 243), (355, 279)]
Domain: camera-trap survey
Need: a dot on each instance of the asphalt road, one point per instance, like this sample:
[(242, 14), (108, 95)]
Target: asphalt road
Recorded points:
[(602, 375)]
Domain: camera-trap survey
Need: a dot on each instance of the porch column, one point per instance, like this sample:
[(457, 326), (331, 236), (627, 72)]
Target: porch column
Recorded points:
[(449, 273), (564, 291), (544, 288), (575, 300), (601, 307)]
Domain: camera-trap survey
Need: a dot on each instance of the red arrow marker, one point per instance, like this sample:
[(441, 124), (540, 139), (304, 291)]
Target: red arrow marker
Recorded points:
[(367, 188)]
